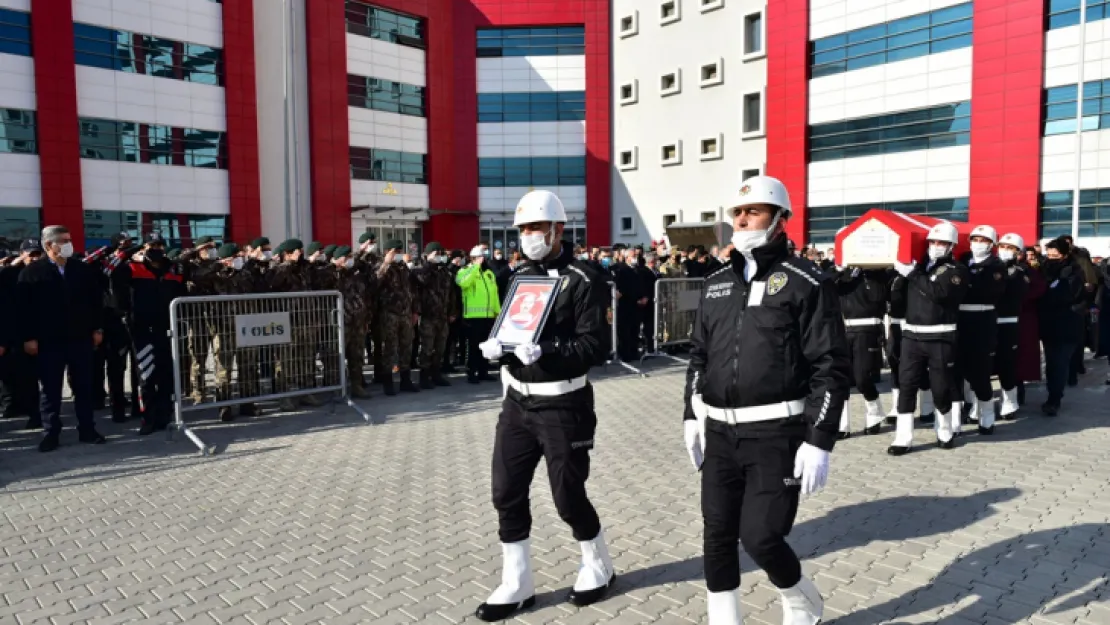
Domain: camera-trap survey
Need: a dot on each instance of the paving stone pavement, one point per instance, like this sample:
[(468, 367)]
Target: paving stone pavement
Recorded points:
[(319, 518)]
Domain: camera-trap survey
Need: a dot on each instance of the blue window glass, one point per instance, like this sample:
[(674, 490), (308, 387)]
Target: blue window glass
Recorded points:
[(18, 132), (15, 32), (546, 41), (178, 230), (823, 222), (532, 107), (1063, 106), (545, 171), (906, 38), (385, 95), (106, 48), (388, 165), (934, 127), (368, 21), (1097, 10), (17, 224), (132, 142)]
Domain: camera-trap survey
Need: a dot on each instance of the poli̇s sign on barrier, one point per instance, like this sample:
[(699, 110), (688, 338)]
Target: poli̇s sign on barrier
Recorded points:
[(263, 329)]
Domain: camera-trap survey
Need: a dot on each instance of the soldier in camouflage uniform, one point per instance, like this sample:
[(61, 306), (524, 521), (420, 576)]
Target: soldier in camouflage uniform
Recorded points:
[(354, 284), (368, 258), (231, 279), (324, 276), (440, 307), (199, 267), (398, 311), (296, 363)]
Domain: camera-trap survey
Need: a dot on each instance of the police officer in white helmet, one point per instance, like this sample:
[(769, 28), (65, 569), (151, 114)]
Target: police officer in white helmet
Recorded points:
[(1010, 249), (769, 374), (548, 413), (978, 326), (935, 287)]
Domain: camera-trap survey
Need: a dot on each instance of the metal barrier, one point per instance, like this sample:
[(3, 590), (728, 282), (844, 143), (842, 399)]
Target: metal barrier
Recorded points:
[(614, 355), (287, 339), (676, 305)]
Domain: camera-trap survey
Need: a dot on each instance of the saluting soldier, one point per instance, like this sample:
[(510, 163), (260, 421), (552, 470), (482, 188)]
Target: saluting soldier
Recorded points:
[(354, 284), (440, 307), (199, 267), (398, 313), (297, 362)]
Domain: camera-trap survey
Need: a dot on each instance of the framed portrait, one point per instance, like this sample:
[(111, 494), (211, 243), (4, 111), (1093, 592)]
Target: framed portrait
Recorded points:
[(527, 305)]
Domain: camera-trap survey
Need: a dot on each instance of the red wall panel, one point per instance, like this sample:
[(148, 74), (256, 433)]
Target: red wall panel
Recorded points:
[(1007, 75), (788, 104), (56, 116), (244, 194)]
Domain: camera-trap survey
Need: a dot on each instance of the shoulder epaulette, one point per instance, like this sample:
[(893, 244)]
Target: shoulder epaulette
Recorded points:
[(579, 272), (727, 265), (789, 264)]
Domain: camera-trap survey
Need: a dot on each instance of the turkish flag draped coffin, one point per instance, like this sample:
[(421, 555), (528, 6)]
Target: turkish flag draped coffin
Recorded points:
[(880, 237)]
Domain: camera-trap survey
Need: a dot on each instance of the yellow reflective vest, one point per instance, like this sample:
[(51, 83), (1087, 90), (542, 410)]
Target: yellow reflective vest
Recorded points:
[(479, 292)]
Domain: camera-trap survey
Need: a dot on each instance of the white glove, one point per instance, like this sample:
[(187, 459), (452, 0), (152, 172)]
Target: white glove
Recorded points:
[(695, 442), (492, 349), (528, 353), (904, 269), (811, 466)]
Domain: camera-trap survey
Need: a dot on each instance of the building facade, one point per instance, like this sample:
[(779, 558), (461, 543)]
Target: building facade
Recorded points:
[(428, 119)]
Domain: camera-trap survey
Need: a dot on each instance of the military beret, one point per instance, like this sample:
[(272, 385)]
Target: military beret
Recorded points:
[(118, 238), (330, 249), (290, 245), (367, 236), (173, 254), (394, 244), (342, 250), (227, 250), (155, 237), (457, 253), (313, 247), (203, 241), (433, 247), (31, 245), (260, 242)]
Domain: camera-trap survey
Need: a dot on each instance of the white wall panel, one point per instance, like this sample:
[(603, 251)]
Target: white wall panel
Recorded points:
[(138, 98), (532, 74), (913, 83), (17, 82), (116, 186), (1064, 47), (18, 5), (504, 199), (497, 140), (20, 181), (369, 193), (192, 21), (388, 131), (381, 59), (917, 175), (830, 17)]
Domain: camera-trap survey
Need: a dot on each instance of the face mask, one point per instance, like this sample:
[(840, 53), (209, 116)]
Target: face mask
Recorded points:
[(409, 265), (535, 245), (980, 251), (372, 248), (748, 240), (237, 264), (349, 263), (937, 252), (498, 256), (66, 251), (208, 254), (267, 255), (398, 259), (1006, 255), (583, 257), (605, 262)]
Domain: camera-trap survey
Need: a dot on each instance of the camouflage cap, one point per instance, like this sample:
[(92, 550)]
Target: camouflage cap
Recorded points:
[(290, 245), (227, 250), (341, 251), (394, 244), (313, 248), (367, 236), (433, 247), (260, 242)]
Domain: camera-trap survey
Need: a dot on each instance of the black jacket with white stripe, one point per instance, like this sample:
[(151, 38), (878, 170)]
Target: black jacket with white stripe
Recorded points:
[(784, 345)]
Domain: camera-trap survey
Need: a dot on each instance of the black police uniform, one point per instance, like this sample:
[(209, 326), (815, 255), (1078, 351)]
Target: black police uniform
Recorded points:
[(558, 428), (863, 297), (780, 362), (648, 277), (934, 291), (18, 370), (628, 311), (1009, 309), (118, 345), (978, 322)]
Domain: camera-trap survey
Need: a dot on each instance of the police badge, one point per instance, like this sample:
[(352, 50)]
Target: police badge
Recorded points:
[(776, 282)]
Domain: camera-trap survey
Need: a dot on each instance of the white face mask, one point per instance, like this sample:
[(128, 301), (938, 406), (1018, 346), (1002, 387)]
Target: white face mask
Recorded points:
[(66, 250), (1006, 255), (209, 254), (398, 259), (980, 251), (237, 264), (748, 240), (937, 252), (409, 265), (371, 248), (267, 255), (349, 263), (535, 245)]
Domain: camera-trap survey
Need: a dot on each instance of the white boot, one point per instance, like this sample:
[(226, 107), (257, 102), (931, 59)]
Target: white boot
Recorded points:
[(724, 608), (973, 414), (943, 429), (1009, 403), (926, 403), (802, 604), (986, 416), (954, 417), (517, 590), (845, 420), (893, 403), (903, 435), (595, 574), (874, 418), (969, 395)]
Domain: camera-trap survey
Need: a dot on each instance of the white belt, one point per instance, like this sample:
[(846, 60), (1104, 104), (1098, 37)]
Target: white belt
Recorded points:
[(975, 307), (1007, 320), (542, 389), (753, 414), (896, 322), (939, 329), (871, 321)]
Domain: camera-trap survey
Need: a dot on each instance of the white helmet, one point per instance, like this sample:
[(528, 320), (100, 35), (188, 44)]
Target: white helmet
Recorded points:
[(1014, 240), (944, 232), (763, 190), (986, 232), (476, 251), (537, 206)]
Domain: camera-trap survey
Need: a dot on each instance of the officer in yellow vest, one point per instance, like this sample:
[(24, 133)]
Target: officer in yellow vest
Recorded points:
[(481, 305)]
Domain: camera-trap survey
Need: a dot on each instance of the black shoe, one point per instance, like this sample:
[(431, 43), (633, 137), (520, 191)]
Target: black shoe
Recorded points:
[(584, 598), (1009, 417), (49, 442), (226, 415), (388, 388), (843, 435), (1021, 393), (33, 423), (150, 426), (406, 382), (947, 445), (92, 437), (986, 431), (249, 410), (897, 450), (493, 612), (473, 379), (892, 420), (448, 369), (1073, 381), (1050, 409), (874, 429), (485, 377), (426, 381), (120, 417)]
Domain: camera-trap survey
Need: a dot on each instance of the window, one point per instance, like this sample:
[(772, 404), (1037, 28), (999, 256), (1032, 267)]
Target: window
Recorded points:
[(670, 11), (712, 148), (134, 53), (630, 25), (1060, 107), (17, 132), (630, 92), (555, 106), (17, 224), (753, 114), (668, 220), (918, 35), (548, 41), (368, 21), (537, 171), (670, 84), (388, 165), (711, 5), (627, 226), (1097, 10), (15, 32), (671, 154), (1064, 13), (179, 230), (748, 173), (713, 73), (753, 35), (134, 142), (385, 95), (922, 129), (708, 216), (825, 221), (1094, 213), (629, 159)]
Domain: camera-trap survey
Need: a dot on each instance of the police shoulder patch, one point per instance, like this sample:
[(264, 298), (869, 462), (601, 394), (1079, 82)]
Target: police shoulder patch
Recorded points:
[(942, 269), (776, 282), (997, 276), (956, 279), (1012, 270)]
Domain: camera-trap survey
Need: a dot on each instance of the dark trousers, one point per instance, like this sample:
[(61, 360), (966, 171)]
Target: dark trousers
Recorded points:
[(934, 361), (117, 355), (152, 351), (894, 356), (628, 331), (54, 359), (564, 439), (1057, 362), (456, 344), (1075, 366), (21, 385), (866, 349), (978, 332), (477, 332), (748, 496), (647, 325), (1005, 355)]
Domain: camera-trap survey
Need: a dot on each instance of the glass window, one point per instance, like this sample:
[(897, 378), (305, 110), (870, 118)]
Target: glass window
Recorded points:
[(385, 95), (131, 142), (18, 132), (532, 107), (368, 21), (15, 32), (825, 221), (934, 127), (18, 223), (95, 46), (179, 230), (546, 41), (546, 171), (753, 112), (388, 165), (753, 33)]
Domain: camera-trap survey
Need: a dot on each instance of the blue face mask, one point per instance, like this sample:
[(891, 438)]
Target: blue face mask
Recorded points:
[(605, 262)]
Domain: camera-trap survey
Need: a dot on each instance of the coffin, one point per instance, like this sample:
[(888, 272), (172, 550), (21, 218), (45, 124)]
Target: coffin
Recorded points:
[(880, 237)]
